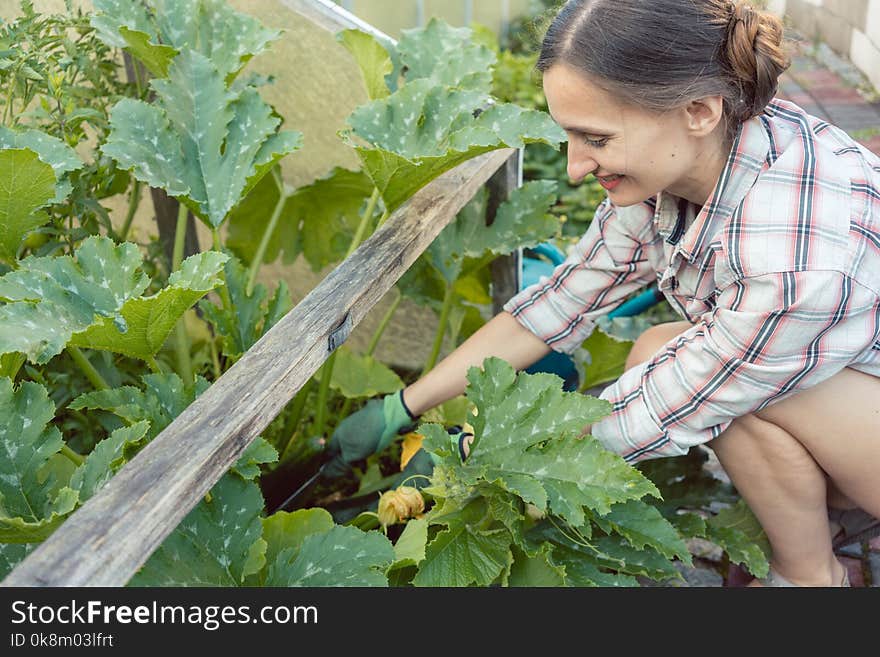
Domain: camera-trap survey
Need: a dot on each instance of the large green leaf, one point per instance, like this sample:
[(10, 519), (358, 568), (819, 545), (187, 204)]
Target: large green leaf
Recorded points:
[(642, 525), (163, 398), (536, 570), (51, 298), (249, 317), (150, 320), (210, 27), (106, 459), (30, 509), (409, 550), (527, 440), (11, 554), (283, 530), (446, 55), (740, 534), (357, 376), (226, 37), (423, 130), (200, 142), (467, 552), (605, 359), (211, 545), (342, 556), (371, 57), (521, 221), (111, 15), (51, 150), (26, 185), (156, 57), (588, 562)]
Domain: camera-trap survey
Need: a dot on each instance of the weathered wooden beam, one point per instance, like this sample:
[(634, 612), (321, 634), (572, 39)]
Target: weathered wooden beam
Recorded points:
[(105, 541)]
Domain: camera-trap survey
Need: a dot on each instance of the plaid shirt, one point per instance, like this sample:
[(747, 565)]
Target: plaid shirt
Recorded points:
[(779, 274)]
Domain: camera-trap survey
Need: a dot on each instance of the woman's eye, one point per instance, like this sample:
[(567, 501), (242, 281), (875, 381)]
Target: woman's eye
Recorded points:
[(596, 143)]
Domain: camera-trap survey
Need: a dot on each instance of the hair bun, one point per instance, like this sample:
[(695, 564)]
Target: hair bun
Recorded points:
[(756, 57)]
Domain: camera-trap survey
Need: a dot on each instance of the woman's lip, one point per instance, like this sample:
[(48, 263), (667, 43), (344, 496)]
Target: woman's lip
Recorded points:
[(610, 184)]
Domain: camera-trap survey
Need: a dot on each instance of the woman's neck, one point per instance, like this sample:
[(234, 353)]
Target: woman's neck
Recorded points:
[(708, 163)]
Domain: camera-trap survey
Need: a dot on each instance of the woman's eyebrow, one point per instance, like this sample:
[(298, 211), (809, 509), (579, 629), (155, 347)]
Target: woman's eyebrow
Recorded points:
[(584, 130)]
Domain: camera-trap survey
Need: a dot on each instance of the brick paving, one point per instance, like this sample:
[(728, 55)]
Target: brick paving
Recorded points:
[(831, 88)]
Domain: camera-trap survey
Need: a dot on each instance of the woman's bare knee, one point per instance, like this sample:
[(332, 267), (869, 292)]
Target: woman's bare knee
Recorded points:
[(650, 342)]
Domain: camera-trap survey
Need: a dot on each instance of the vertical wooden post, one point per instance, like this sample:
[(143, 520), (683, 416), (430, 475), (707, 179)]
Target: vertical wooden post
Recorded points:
[(506, 269)]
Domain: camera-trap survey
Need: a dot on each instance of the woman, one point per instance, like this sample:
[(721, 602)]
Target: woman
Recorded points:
[(761, 225)]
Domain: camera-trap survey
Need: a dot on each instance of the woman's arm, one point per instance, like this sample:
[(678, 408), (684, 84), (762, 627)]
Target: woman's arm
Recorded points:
[(502, 336)]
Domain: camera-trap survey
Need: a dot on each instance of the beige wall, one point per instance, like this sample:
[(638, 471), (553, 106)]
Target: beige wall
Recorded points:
[(850, 27)]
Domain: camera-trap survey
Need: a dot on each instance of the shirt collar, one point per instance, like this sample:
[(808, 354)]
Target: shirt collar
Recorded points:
[(748, 157)]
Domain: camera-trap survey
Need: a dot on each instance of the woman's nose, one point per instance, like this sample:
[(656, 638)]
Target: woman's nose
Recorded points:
[(579, 164)]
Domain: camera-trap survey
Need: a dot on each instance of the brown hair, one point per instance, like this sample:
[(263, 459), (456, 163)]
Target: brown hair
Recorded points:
[(661, 54)]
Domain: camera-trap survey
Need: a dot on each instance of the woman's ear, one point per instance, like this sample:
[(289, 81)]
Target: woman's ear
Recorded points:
[(704, 114)]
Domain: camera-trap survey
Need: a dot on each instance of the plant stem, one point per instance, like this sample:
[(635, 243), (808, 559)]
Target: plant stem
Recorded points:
[(181, 343), (215, 359), (72, 456), (267, 234), (225, 299), (299, 404), (383, 219), (374, 342), (154, 365), (133, 203), (365, 221), (323, 395), (441, 329), (87, 368), (327, 369)]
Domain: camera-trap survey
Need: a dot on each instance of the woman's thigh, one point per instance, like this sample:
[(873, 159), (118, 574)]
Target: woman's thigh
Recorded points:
[(838, 422)]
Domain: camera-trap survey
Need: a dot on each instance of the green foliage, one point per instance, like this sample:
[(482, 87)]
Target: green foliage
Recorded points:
[(149, 320), (26, 185), (441, 117), (54, 152), (212, 544), (357, 376), (318, 220), (163, 398), (30, 506), (250, 316), (537, 502), (11, 554), (156, 30), (342, 556), (201, 142), (49, 299), (372, 58), (446, 55), (105, 460), (738, 532)]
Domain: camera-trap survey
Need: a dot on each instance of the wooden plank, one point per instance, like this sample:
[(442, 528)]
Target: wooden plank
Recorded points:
[(505, 269), (113, 534)]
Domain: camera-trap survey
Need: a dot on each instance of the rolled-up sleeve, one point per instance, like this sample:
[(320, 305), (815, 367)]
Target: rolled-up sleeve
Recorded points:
[(605, 266), (768, 337)]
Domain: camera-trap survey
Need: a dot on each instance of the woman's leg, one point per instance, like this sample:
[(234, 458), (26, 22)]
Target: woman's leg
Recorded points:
[(778, 460)]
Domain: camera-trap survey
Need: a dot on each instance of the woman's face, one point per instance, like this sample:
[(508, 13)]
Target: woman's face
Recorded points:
[(634, 153)]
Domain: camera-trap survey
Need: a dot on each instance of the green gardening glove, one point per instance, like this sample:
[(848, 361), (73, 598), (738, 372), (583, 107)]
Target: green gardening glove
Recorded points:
[(367, 431)]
